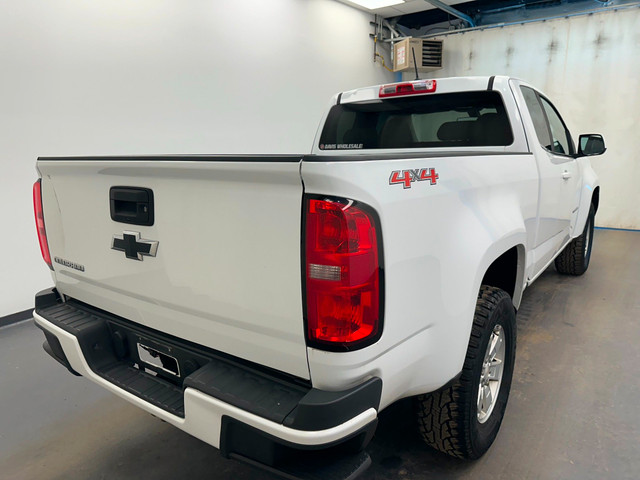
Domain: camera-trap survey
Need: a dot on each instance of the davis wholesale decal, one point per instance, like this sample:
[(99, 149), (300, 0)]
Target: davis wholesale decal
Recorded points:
[(407, 177), (341, 146)]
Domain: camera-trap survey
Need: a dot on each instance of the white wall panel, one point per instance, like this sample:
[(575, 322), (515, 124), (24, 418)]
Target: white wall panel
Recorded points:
[(160, 76), (589, 66)]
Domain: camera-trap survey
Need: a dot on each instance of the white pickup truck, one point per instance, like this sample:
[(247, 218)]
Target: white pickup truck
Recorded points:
[(275, 304)]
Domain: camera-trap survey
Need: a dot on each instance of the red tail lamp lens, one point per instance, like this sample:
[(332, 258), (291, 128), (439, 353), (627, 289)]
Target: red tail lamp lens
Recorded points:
[(39, 214), (342, 273)]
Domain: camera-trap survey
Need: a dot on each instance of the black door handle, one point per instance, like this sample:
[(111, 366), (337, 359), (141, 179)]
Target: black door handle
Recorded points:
[(132, 205)]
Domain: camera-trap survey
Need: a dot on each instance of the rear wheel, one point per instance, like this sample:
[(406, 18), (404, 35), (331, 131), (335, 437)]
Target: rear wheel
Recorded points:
[(574, 259), (463, 419)]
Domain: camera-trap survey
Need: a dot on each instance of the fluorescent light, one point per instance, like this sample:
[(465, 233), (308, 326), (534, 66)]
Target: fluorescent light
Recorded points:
[(373, 4)]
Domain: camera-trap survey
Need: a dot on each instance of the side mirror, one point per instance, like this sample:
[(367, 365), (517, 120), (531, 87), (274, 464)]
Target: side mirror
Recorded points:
[(590, 144)]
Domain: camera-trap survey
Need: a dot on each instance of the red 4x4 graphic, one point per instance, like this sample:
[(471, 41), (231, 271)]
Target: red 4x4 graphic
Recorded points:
[(407, 177)]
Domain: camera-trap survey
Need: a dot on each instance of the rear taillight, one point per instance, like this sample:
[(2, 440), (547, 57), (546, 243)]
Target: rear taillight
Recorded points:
[(42, 233), (343, 276)]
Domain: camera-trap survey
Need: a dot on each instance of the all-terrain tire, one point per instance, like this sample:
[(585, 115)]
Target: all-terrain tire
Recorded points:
[(574, 259), (449, 419)]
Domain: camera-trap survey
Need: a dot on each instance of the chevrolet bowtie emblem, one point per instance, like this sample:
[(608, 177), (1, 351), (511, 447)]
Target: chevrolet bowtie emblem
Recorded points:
[(133, 246)]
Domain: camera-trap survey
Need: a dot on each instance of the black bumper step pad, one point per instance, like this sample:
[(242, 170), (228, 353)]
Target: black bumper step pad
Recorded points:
[(247, 390), (147, 387)]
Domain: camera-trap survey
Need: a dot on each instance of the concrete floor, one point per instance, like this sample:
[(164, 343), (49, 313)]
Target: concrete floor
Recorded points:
[(573, 413)]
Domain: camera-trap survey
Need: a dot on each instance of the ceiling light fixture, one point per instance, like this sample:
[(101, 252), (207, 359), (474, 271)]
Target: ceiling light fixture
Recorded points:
[(373, 4)]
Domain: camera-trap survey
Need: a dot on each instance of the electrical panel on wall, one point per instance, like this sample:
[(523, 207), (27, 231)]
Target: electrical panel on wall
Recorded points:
[(428, 55)]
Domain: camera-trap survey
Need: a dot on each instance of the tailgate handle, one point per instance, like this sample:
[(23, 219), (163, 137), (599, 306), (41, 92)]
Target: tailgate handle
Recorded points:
[(132, 205)]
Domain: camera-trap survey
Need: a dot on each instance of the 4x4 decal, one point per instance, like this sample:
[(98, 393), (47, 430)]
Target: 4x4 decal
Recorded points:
[(407, 177)]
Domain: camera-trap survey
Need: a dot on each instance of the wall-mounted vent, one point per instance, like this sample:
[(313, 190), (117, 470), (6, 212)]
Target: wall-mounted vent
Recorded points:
[(428, 54)]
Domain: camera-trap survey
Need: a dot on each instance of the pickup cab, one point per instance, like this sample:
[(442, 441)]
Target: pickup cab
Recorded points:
[(275, 304)]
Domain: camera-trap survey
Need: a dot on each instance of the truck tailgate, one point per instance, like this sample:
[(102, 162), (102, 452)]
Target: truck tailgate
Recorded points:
[(227, 271)]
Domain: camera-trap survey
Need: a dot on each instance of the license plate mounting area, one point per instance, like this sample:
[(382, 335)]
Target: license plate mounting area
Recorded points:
[(154, 357)]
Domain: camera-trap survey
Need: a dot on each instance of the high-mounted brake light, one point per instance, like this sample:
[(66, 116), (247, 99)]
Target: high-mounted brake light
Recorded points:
[(411, 88), (39, 214), (342, 274)]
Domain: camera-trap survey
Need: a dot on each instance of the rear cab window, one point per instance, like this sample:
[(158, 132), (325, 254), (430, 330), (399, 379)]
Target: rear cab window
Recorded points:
[(462, 119)]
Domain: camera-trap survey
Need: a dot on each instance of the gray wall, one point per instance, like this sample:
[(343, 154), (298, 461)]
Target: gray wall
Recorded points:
[(160, 76), (589, 66)]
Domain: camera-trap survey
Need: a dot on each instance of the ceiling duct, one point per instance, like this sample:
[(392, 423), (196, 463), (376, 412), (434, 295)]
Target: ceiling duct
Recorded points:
[(452, 11)]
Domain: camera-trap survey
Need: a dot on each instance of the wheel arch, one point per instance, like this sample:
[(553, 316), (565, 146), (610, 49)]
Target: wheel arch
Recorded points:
[(595, 198), (506, 271), (589, 194)]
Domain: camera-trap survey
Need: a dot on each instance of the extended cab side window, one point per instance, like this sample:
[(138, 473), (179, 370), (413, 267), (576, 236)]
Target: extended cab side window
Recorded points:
[(538, 117), (562, 143), (550, 129)]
